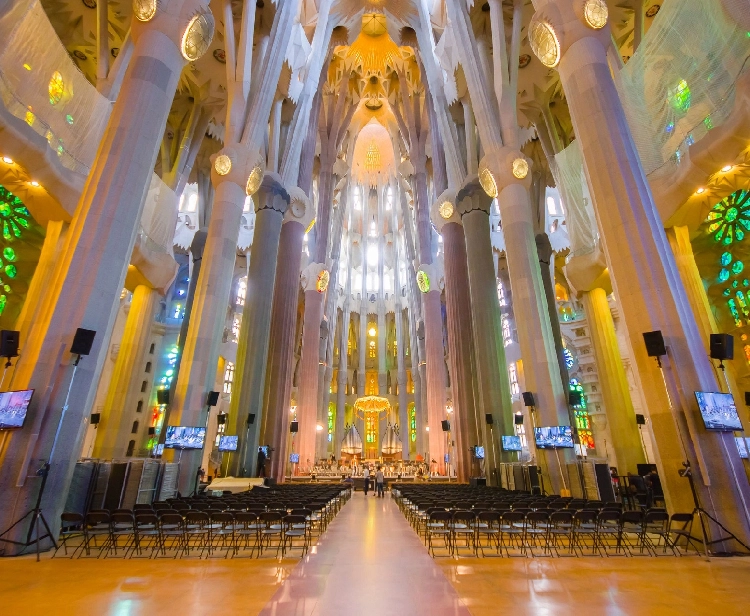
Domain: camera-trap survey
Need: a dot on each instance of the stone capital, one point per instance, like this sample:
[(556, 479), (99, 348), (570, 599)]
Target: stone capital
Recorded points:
[(587, 272), (472, 197), (315, 277), (568, 20), (171, 18), (300, 209), (272, 195), (238, 164), (503, 167), (445, 210)]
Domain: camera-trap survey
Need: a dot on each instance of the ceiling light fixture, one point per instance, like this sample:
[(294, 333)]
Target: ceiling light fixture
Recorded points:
[(726, 168), (700, 191), (34, 183), (7, 160)]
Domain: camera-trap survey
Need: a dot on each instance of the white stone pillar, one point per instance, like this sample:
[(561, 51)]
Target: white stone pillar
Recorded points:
[(645, 277)]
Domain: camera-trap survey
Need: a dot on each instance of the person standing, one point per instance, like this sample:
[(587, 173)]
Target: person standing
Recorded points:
[(379, 482), (366, 475), (261, 462)]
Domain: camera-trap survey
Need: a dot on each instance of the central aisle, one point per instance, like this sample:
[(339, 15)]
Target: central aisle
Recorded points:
[(369, 563)]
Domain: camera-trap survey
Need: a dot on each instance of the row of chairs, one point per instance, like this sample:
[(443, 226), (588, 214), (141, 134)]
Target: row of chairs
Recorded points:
[(179, 526), (560, 533)]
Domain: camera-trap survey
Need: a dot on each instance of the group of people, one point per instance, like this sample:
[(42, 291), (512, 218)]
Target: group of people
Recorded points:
[(379, 478)]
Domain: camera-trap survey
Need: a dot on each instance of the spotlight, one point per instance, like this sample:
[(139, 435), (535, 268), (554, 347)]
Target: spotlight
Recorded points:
[(34, 183), (372, 331), (726, 168), (7, 160), (700, 191), (319, 428)]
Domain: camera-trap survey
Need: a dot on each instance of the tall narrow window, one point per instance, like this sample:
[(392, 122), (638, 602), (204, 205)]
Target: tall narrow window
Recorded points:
[(241, 291), (500, 293), (513, 378), (134, 430), (228, 377), (505, 321)]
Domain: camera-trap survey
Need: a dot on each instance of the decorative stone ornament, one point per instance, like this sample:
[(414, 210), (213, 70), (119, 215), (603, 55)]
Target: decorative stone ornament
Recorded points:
[(487, 181), (223, 164), (197, 37), (595, 13), (324, 277), (446, 210), (423, 281), (253, 181), (520, 168), (144, 10), (544, 42)]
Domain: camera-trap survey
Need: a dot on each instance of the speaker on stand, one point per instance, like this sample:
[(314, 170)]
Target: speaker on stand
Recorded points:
[(8, 348)]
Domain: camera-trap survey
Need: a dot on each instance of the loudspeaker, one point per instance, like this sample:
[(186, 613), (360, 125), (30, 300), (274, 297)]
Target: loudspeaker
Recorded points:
[(151, 430), (213, 398), (654, 344), (82, 341), (640, 419), (721, 346), (575, 398), (528, 398), (162, 396), (95, 417), (221, 419), (488, 419), (446, 425), (250, 419), (747, 398), (8, 343), (518, 419), (294, 427)]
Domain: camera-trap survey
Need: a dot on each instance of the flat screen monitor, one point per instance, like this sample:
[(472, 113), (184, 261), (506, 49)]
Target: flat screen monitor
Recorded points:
[(13, 408), (294, 458), (228, 443), (479, 452), (741, 446), (511, 443), (159, 449), (718, 411), (185, 437), (554, 437)]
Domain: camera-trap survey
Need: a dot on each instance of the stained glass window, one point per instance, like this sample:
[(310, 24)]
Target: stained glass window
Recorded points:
[(582, 417), (331, 411), (730, 219), (412, 423), (228, 377)]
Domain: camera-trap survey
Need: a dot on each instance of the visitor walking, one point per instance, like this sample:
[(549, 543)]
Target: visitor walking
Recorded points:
[(366, 475), (379, 481)]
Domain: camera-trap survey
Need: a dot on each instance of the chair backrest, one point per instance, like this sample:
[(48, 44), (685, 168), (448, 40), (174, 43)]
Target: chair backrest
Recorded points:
[(69, 519), (222, 517), (170, 518), (513, 517), (489, 516), (653, 518), (95, 518), (294, 519), (441, 515), (270, 516), (561, 518), (609, 517), (122, 518), (196, 517), (464, 515), (632, 517), (246, 517), (585, 516), (146, 519), (535, 517)]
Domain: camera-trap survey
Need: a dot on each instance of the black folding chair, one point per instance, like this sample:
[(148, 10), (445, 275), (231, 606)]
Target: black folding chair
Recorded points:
[(95, 527), (71, 527), (146, 532), (438, 525), (121, 528), (488, 527)]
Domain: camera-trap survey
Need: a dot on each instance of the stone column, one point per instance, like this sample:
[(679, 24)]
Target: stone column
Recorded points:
[(54, 243), (307, 403), (343, 374), (231, 171), (591, 280), (468, 431), (276, 419), (252, 350), (113, 432), (646, 279), (491, 368), (89, 277)]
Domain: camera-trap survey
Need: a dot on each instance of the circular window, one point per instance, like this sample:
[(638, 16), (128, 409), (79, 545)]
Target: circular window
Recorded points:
[(144, 10), (446, 209), (520, 168), (488, 182), (253, 182), (595, 13), (544, 43), (322, 283), (223, 164), (423, 281), (198, 36)]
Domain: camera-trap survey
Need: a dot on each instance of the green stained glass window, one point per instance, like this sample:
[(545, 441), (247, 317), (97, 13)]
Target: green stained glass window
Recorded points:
[(9, 254), (679, 96), (727, 292), (730, 219), (737, 267), (11, 271), (723, 275), (735, 284), (726, 258), (735, 313)]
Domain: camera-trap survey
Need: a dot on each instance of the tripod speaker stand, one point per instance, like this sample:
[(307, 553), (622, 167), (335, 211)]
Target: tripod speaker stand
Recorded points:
[(703, 514), (36, 516)]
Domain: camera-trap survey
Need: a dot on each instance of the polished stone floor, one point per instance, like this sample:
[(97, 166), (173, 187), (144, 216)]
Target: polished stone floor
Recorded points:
[(370, 562)]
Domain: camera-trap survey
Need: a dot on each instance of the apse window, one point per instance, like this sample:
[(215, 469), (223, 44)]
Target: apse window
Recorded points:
[(228, 377), (513, 378)]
